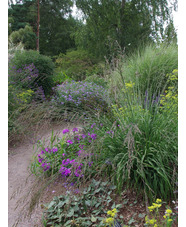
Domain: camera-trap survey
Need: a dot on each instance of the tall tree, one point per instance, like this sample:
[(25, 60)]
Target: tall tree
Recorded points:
[(129, 22), (38, 22), (54, 27)]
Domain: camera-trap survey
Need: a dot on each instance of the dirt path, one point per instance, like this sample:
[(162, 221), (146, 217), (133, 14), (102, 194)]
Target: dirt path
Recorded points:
[(19, 180)]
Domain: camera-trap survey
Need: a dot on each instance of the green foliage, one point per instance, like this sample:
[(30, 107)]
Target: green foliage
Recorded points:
[(143, 144), (128, 22), (44, 65), (56, 24), (147, 68), (101, 81), (170, 34), (10, 21), (86, 209), (25, 36), (78, 64), (60, 77)]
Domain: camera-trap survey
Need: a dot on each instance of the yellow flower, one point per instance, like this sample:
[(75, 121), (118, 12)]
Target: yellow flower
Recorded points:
[(152, 221), (151, 208), (109, 220), (158, 200), (169, 220), (113, 214), (155, 225), (109, 212), (168, 211), (165, 216)]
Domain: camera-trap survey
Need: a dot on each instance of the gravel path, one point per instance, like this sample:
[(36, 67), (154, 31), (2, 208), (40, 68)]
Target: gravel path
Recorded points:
[(19, 181)]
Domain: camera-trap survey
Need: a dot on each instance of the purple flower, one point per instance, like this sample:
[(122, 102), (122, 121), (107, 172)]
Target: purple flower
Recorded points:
[(81, 146), (93, 136), (63, 154), (93, 125), (54, 150), (42, 152), (83, 136), (65, 171), (66, 162), (90, 163), (46, 166), (70, 141), (80, 152), (75, 130), (77, 137), (40, 160), (65, 131)]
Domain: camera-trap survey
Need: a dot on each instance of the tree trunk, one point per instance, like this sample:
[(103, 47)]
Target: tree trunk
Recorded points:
[(38, 21)]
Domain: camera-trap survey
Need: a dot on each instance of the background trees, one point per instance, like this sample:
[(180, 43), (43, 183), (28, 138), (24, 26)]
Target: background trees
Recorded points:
[(129, 23), (56, 24)]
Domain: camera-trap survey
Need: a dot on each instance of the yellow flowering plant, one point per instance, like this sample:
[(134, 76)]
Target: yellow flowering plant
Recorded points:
[(109, 221), (154, 218)]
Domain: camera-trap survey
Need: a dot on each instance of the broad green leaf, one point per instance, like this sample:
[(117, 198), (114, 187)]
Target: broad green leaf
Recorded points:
[(142, 215), (93, 219), (131, 221), (70, 213)]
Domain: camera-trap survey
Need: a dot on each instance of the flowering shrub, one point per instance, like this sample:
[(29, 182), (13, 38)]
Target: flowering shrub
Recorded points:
[(25, 80), (43, 64), (81, 94)]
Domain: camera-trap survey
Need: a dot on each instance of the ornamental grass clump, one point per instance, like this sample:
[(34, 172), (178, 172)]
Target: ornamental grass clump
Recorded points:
[(140, 140), (144, 146)]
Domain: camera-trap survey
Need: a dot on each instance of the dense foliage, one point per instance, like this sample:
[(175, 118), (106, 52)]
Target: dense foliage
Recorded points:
[(43, 64), (78, 64), (130, 23), (55, 27)]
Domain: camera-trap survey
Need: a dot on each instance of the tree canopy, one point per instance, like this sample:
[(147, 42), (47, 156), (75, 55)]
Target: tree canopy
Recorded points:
[(56, 24), (127, 23)]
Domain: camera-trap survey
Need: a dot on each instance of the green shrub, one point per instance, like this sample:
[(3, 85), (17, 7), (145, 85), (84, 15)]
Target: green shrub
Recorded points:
[(24, 35), (78, 64), (97, 80), (43, 64)]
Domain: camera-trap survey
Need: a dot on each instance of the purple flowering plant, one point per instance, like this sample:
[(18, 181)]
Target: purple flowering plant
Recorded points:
[(81, 94), (67, 156)]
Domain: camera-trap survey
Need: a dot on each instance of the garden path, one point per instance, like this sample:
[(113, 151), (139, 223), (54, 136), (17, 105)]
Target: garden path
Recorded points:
[(19, 181)]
